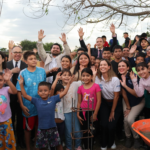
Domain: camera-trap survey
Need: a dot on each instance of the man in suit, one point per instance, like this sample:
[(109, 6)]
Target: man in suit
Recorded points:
[(98, 52), (16, 65)]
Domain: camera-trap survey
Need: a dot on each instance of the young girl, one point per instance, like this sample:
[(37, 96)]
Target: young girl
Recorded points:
[(2, 62), (7, 138), (132, 105), (89, 97), (67, 105), (142, 70)]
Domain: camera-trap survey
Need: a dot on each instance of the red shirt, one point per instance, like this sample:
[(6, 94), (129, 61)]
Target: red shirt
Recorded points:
[(106, 44)]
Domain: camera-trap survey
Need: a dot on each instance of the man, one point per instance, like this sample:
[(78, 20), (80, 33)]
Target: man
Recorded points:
[(97, 52), (126, 53), (16, 65), (54, 59)]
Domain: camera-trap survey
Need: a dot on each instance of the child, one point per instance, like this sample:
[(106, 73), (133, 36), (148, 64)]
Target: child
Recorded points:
[(32, 77), (127, 40), (144, 83), (139, 58), (92, 57), (67, 105), (59, 114), (107, 53), (45, 105), (89, 97), (105, 42), (7, 138), (97, 63)]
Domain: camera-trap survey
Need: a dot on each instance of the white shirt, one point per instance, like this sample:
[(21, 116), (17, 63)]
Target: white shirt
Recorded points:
[(108, 88), (53, 64), (14, 63), (71, 94)]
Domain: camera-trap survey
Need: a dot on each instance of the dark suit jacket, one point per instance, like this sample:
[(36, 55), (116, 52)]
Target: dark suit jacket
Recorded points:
[(94, 51), (10, 66)]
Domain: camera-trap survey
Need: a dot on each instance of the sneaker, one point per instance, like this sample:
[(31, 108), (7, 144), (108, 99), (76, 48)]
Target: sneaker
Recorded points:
[(79, 148), (103, 148), (137, 143), (129, 142), (113, 146)]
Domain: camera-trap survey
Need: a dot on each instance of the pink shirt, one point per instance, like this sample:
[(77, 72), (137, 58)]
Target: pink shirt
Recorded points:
[(5, 111), (89, 94), (143, 84)]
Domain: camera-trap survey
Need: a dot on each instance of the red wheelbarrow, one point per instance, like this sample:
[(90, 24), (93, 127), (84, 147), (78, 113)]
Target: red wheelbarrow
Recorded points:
[(142, 128)]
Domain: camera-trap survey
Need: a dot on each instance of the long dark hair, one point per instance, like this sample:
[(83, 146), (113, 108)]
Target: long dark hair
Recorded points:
[(66, 56), (3, 63), (77, 67)]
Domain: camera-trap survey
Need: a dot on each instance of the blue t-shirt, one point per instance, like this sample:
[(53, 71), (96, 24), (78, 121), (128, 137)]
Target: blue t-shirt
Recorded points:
[(147, 59), (31, 82), (46, 111)]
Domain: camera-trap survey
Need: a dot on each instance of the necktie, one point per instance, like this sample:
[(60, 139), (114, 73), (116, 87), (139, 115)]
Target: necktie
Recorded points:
[(16, 65), (100, 54)]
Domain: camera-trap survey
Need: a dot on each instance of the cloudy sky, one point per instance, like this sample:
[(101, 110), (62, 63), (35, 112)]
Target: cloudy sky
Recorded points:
[(14, 25)]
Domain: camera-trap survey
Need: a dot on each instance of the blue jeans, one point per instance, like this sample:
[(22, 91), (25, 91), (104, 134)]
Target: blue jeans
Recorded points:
[(68, 130)]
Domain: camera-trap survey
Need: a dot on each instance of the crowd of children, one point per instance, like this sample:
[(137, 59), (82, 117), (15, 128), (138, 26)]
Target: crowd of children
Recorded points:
[(107, 85)]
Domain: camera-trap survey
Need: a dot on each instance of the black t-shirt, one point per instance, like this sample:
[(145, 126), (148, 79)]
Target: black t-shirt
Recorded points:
[(127, 41), (115, 66)]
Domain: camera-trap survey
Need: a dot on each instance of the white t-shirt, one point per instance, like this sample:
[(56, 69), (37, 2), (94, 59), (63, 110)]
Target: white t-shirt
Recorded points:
[(59, 113), (53, 64), (71, 94), (108, 88)]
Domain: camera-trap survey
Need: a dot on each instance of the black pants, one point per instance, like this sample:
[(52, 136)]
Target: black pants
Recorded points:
[(108, 128), (147, 113), (17, 117), (85, 127)]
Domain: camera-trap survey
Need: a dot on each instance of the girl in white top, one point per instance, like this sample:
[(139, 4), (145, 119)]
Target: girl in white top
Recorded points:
[(142, 70), (67, 105), (109, 110)]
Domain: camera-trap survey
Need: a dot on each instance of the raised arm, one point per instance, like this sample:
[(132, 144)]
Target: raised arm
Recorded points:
[(112, 30), (7, 77), (66, 47), (24, 94), (81, 34), (40, 47), (89, 49), (10, 46)]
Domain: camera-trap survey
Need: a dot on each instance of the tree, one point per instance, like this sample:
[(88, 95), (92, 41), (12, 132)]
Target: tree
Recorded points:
[(3, 49), (95, 11)]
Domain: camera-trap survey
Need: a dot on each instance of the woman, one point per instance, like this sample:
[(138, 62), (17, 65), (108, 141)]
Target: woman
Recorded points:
[(110, 109), (65, 64), (132, 104), (83, 61)]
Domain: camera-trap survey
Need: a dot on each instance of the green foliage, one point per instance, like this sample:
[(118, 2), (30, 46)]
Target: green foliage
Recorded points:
[(30, 45), (148, 34), (3, 49)]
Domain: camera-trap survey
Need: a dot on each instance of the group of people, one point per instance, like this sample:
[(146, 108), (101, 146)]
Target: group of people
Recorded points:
[(108, 86)]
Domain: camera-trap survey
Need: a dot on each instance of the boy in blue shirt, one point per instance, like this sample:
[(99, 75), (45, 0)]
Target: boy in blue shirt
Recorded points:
[(47, 131), (32, 77)]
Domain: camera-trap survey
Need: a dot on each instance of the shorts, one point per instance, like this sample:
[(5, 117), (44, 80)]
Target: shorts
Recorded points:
[(30, 123), (47, 137), (7, 138)]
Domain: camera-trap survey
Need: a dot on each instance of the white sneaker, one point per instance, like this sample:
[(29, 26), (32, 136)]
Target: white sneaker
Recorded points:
[(113, 146), (105, 148)]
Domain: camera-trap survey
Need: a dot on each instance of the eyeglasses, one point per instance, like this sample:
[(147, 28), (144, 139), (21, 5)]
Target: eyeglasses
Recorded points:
[(17, 52)]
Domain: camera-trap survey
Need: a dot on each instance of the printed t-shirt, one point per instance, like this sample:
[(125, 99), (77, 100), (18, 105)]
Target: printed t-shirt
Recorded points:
[(89, 97), (46, 111), (5, 111), (31, 82), (108, 88)]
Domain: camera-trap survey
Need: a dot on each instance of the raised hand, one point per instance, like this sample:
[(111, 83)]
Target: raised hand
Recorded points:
[(54, 69), (94, 70), (88, 46), (15, 70), (11, 44), (41, 35), (21, 80), (112, 28), (81, 33), (58, 76), (132, 75), (123, 82), (63, 38), (7, 75), (35, 50), (133, 49)]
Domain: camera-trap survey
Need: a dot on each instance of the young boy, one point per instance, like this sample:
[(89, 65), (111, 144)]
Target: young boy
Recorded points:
[(45, 105), (107, 53), (139, 58), (127, 40), (105, 42), (32, 77)]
